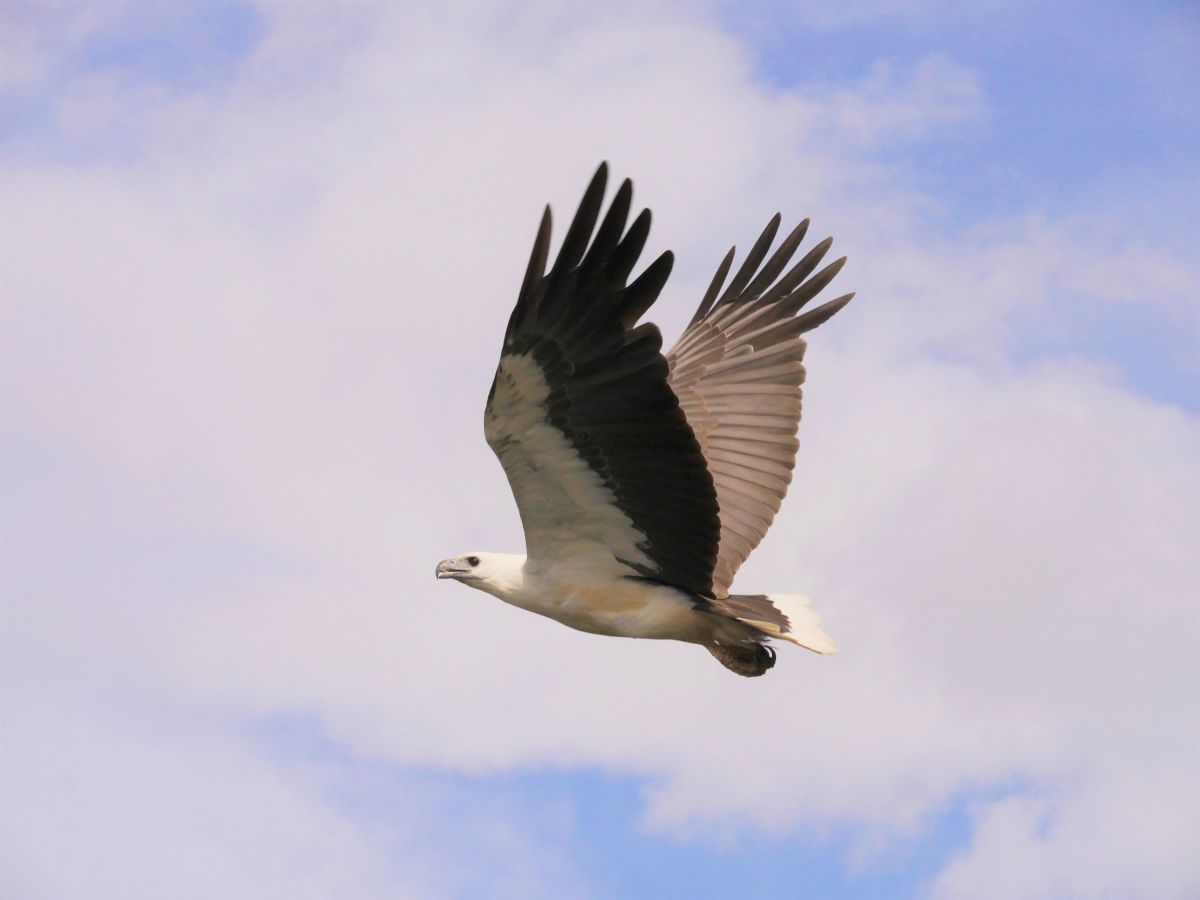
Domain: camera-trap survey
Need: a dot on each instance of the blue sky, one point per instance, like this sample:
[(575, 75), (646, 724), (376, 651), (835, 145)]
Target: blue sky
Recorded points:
[(231, 453), (1088, 106), (1083, 96)]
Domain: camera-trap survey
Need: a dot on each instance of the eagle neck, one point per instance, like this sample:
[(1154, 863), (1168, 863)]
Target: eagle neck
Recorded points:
[(509, 579)]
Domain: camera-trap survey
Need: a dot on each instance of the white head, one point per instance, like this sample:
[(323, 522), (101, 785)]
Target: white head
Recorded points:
[(501, 574)]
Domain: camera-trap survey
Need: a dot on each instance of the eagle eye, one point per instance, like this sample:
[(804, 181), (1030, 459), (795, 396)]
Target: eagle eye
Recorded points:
[(473, 560)]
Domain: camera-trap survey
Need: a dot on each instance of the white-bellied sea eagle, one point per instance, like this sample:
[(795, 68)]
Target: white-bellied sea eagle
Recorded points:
[(644, 481)]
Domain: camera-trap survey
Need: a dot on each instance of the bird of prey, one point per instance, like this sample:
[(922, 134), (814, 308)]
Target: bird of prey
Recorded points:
[(644, 481)]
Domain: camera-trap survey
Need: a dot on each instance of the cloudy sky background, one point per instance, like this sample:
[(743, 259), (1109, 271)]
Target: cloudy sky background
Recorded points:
[(256, 261)]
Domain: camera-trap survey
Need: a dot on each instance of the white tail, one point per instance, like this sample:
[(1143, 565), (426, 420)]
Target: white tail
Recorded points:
[(804, 625)]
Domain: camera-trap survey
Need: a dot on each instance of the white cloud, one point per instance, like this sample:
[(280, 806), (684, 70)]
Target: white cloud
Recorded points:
[(891, 105), (278, 325), (103, 809), (1126, 835), (135, 799)]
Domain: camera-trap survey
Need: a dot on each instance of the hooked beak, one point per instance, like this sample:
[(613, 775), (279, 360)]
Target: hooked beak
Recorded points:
[(448, 568)]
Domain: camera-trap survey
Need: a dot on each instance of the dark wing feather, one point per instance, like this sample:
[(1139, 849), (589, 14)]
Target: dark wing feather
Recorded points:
[(592, 438)]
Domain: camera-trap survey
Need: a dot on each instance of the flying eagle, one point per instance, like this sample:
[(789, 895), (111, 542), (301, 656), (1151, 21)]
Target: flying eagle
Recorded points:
[(643, 481)]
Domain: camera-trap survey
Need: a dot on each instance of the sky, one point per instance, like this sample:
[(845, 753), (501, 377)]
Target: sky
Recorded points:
[(255, 263)]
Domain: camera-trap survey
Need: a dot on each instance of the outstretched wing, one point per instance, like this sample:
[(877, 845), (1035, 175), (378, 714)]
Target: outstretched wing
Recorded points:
[(737, 370), (601, 459)]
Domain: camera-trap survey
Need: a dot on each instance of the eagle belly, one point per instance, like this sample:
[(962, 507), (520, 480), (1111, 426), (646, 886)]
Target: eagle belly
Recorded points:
[(620, 607)]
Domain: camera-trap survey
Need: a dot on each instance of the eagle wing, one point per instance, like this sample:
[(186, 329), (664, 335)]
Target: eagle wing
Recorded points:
[(737, 371), (602, 462)]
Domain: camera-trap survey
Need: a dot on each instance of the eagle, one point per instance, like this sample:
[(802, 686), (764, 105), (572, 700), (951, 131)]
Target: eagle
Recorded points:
[(644, 481)]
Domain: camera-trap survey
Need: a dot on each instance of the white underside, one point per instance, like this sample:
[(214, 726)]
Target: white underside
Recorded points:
[(622, 607), (593, 592)]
